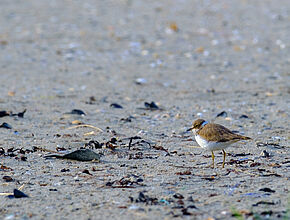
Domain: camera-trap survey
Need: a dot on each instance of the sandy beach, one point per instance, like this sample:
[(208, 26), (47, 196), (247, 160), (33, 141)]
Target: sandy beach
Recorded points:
[(126, 79)]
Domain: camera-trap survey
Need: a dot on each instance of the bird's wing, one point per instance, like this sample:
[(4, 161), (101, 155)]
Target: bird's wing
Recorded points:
[(219, 133)]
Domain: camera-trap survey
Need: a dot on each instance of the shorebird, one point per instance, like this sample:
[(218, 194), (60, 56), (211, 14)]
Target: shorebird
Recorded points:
[(214, 137)]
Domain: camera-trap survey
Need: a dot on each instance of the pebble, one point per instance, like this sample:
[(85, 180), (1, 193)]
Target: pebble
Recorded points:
[(140, 81)]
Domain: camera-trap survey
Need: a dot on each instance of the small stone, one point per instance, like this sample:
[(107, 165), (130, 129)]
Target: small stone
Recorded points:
[(8, 179), (115, 105), (76, 122), (265, 153), (5, 125), (18, 194), (76, 112), (222, 114), (140, 81)]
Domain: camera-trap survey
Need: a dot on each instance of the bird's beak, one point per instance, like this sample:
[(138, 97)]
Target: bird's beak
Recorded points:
[(189, 129)]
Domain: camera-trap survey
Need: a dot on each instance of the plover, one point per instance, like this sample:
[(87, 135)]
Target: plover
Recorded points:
[(214, 137)]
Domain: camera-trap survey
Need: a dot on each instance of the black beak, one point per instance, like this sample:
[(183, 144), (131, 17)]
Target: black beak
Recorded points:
[(189, 129)]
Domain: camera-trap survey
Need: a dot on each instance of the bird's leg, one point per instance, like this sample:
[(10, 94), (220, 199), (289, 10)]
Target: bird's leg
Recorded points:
[(224, 158), (212, 156)]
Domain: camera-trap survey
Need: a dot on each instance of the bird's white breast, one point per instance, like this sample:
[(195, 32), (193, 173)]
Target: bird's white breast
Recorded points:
[(211, 145)]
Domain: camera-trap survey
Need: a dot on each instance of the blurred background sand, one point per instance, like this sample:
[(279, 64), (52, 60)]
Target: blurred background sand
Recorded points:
[(193, 58)]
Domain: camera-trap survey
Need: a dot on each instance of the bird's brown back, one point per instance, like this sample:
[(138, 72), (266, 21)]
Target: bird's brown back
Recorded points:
[(219, 133)]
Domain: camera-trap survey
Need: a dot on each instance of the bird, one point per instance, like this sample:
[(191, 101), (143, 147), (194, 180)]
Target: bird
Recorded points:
[(214, 137)]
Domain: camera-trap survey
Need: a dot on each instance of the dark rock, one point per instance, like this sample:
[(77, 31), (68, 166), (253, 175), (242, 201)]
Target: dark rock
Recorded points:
[(151, 106), (222, 114), (77, 112), (266, 189), (115, 105), (5, 125), (18, 194), (8, 178)]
